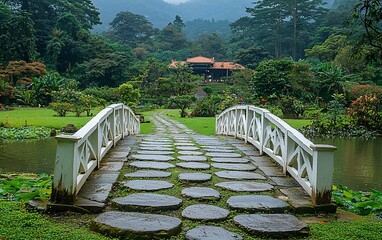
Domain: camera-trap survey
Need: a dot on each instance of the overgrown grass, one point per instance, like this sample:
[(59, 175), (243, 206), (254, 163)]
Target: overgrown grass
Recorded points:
[(41, 117)]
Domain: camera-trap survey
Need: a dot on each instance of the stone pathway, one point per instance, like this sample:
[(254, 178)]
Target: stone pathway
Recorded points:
[(178, 183)]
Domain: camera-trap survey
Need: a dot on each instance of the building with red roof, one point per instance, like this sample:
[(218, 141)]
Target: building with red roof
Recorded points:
[(209, 68)]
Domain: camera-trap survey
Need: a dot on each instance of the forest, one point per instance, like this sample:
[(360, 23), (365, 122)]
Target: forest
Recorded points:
[(302, 61)]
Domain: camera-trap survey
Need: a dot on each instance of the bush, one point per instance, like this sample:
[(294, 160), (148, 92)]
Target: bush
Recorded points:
[(104, 95), (62, 108), (291, 107), (206, 107), (365, 111), (362, 90)]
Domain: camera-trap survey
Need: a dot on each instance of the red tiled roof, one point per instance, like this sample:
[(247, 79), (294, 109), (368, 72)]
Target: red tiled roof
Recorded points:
[(227, 65), (200, 59)]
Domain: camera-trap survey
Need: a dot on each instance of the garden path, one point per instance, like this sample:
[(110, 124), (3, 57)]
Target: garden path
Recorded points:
[(179, 184)]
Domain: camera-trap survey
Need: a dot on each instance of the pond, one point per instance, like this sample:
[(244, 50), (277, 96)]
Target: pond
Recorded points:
[(358, 163), (35, 156)]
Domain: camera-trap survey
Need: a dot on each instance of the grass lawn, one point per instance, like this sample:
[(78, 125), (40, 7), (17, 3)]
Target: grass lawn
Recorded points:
[(17, 223), (298, 123), (41, 117)]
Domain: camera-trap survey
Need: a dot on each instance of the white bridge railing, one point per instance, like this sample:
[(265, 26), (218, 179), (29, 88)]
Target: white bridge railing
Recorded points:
[(79, 154), (311, 165)]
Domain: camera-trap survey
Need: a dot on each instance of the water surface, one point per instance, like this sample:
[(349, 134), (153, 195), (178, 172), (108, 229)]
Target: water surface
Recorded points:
[(358, 163), (32, 156)]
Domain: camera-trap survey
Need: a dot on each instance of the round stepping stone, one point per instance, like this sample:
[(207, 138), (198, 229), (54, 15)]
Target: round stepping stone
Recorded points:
[(147, 202), (273, 225), (210, 233), (195, 177), (190, 153), (223, 155), (146, 152), (188, 148), (152, 157), (129, 225), (240, 175), (192, 158), (230, 160), (258, 203), (152, 165), (245, 186), (204, 212), (194, 165), (148, 185), (201, 193), (148, 174), (235, 166)]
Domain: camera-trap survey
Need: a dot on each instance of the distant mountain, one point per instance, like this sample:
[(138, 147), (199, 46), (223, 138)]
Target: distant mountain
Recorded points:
[(160, 13)]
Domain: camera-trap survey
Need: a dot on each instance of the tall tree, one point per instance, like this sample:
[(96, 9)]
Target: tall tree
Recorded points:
[(368, 13), (285, 24), (131, 28)]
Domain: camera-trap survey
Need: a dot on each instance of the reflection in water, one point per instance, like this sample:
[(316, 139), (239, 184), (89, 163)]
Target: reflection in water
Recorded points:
[(35, 156), (358, 163)]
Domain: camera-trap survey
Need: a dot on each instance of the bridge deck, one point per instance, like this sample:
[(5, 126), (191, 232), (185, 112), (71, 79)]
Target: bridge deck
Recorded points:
[(197, 181)]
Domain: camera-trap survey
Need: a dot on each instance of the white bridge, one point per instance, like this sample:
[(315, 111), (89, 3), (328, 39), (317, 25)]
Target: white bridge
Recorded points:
[(310, 164), (79, 154)]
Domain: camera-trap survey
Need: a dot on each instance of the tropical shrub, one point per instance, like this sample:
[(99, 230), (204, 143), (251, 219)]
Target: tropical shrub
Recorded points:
[(291, 107), (62, 108), (206, 107), (362, 90), (128, 94), (365, 111)]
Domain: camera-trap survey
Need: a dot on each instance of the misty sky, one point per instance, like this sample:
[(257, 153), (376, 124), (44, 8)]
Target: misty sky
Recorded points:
[(176, 1)]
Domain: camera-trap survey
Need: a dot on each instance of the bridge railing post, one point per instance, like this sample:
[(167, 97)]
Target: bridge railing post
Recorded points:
[(65, 178), (323, 159), (247, 123)]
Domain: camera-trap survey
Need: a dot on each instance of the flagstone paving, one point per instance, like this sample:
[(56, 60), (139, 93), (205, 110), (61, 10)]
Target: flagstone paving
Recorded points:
[(196, 179)]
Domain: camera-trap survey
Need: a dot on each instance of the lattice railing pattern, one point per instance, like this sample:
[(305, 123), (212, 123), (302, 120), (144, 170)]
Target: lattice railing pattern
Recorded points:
[(79, 154), (311, 165)]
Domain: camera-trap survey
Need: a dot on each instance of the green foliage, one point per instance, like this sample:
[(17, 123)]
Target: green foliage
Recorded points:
[(25, 188), (271, 78), (207, 107), (62, 108), (291, 107), (131, 28), (23, 133), (328, 50), (363, 203), (129, 95), (183, 102), (104, 95), (366, 111)]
